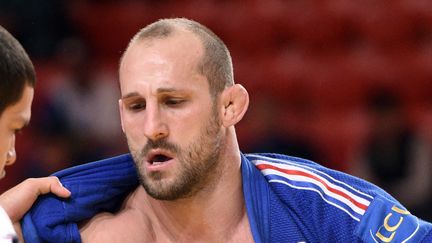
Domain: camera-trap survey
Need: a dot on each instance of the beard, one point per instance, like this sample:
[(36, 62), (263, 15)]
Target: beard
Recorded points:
[(197, 165)]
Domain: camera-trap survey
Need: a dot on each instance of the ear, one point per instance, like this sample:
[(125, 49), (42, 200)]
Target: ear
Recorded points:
[(235, 102), (121, 114)]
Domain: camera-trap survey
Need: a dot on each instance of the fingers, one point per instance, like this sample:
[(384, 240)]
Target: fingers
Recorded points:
[(46, 185), (58, 189), (18, 200)]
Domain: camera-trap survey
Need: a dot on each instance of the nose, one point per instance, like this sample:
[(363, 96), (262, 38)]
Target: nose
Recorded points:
[(155, 127), (11, 156)]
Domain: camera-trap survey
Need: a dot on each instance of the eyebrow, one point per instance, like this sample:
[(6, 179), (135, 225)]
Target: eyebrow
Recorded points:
[(166, 90), (129, 95), (159, 91)]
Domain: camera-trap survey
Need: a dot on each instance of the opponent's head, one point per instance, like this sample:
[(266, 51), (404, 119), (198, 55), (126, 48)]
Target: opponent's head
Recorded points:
[(178, 97), (17, 81)]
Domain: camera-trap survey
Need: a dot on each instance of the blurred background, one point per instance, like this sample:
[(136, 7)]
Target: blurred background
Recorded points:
[(346, 83)]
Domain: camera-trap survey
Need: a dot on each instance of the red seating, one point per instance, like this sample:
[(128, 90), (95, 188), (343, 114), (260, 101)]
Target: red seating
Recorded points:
[(319, 56)]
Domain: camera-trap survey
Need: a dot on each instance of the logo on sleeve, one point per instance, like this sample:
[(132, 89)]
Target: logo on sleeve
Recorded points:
[(388, 221), (391, 224)]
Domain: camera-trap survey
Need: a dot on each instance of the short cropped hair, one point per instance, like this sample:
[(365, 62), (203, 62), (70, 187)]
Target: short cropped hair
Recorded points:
[(16, 70), (216, 63)]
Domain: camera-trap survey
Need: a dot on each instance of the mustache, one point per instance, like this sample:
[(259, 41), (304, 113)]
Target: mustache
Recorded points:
[(161, 144)]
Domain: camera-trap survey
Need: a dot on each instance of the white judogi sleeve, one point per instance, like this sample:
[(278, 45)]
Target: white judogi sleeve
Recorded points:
[(7, 233)]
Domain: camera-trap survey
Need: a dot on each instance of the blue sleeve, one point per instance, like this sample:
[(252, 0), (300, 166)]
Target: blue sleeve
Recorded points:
[(95, 187), (388, 221), (428, 237), (325, 205)]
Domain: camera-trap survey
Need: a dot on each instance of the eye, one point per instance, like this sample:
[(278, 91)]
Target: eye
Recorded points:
[(137, 106), (134, 103), (173, 101)]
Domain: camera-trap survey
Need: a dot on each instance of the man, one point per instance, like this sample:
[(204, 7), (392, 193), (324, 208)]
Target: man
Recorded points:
[(17, 80), (178, 109)]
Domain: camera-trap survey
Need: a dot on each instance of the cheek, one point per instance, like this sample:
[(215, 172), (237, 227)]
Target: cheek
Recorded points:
[(188, 128), (132, 126), (6, 141)]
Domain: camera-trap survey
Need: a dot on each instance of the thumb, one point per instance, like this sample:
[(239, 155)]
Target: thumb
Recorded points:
[(50, 184), (19, 199)]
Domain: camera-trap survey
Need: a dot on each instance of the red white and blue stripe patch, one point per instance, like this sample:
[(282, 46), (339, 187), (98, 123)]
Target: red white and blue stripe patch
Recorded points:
[(303, 177)]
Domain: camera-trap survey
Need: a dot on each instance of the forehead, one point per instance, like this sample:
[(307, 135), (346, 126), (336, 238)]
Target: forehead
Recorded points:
[(172, 60)]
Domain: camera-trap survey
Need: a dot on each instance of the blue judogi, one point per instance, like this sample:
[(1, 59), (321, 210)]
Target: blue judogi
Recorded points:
[(287, 199)]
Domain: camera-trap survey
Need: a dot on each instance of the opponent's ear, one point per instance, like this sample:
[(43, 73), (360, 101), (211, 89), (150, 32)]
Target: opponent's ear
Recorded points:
[(120, 102), (235, 102)]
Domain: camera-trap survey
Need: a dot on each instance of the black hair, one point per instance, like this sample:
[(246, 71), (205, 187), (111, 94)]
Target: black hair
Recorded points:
[(16, 70)]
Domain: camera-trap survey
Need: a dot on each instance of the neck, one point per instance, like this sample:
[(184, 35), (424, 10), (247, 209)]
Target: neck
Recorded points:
[(215, 211)]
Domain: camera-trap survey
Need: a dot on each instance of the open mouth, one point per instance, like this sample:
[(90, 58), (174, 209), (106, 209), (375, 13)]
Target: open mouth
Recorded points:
[(158, 158)]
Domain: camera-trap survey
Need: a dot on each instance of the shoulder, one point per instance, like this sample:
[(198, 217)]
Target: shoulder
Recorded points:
[(326, 200), (111, 227), (107, 227), (307, 176), (309, 188), (102, 227)]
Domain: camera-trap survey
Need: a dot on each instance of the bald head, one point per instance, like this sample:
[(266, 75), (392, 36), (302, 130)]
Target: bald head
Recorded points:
[(215, 63)]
